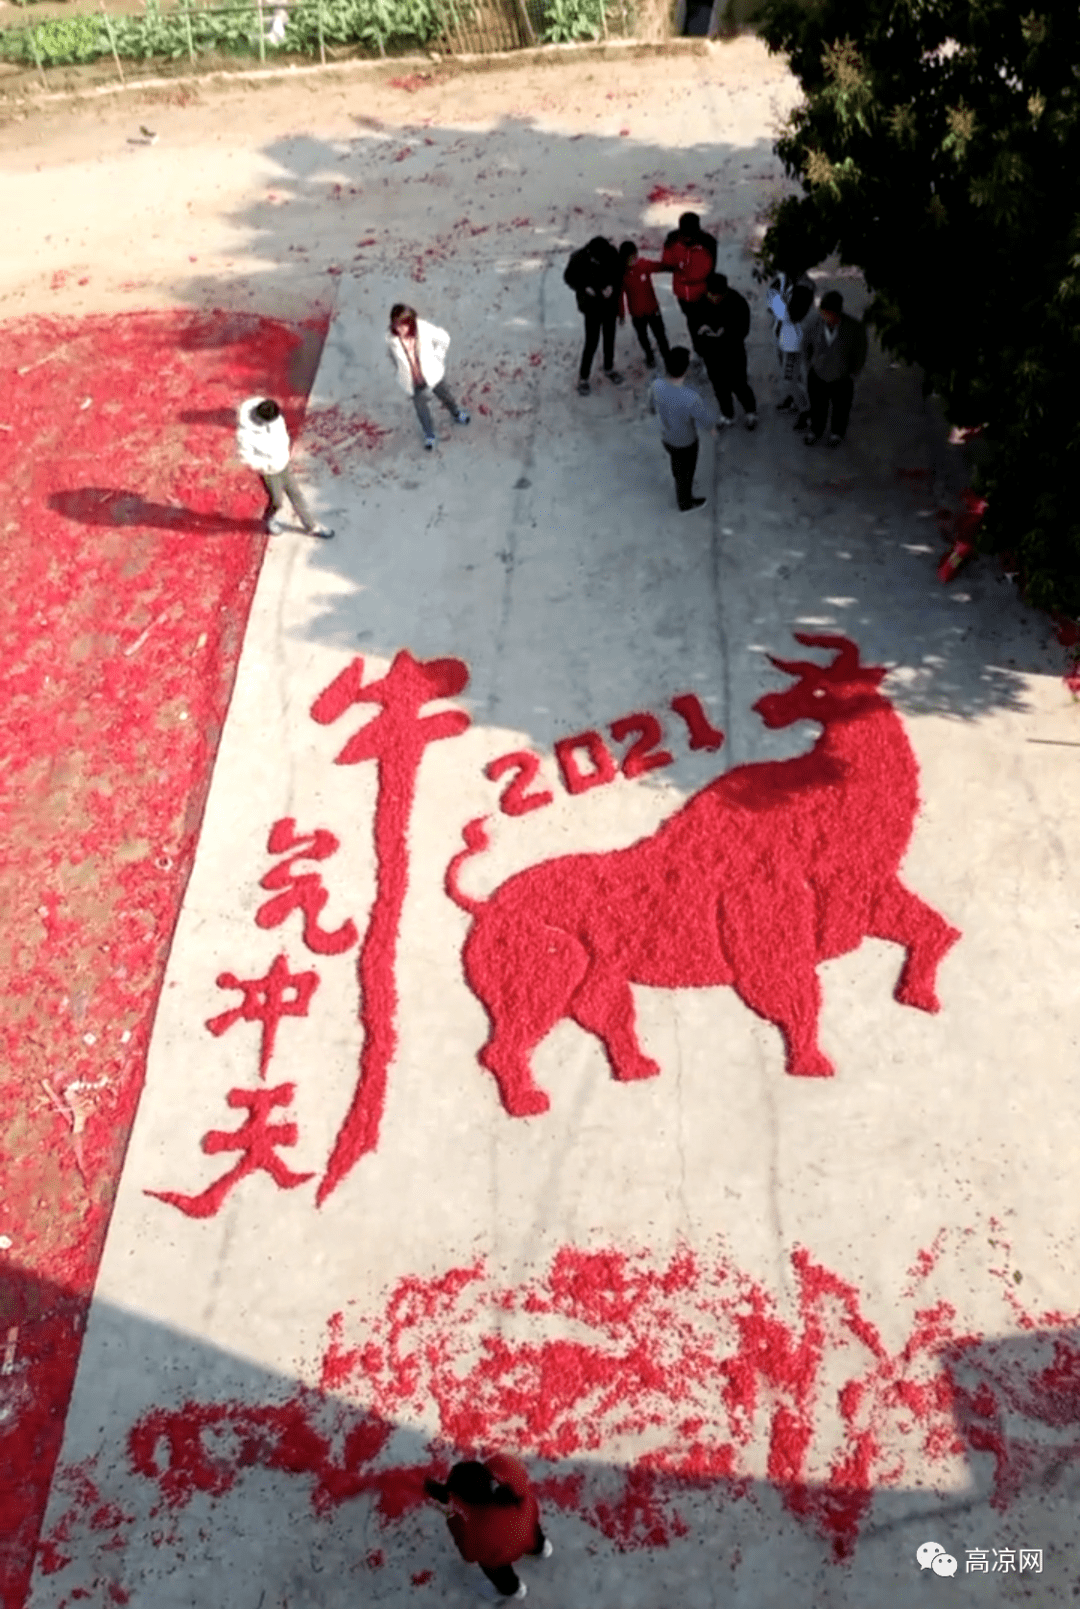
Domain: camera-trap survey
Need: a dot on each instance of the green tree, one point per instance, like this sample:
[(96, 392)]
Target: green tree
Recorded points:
[(938, 149)]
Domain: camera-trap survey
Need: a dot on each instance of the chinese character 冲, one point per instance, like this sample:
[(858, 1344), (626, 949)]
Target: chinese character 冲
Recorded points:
[(280, 993), (1005, 1559), (302, 891), (1031, 1559), (257, 1138), (977, 1559)]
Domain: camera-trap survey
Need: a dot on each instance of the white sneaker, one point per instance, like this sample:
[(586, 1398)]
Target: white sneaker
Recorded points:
[(751, 421), (547, 1549), (276, 525), (522, 1590)]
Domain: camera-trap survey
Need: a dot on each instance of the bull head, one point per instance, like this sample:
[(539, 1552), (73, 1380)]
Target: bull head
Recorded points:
[(822, 692)]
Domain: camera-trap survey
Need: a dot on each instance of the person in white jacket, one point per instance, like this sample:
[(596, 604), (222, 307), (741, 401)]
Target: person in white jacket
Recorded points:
[(790, 299), (418, 351), (262, 441)]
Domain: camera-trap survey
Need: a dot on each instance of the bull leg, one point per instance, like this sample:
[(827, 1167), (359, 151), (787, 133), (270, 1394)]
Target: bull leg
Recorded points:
[(903, 918), (767, 933), (604, 1006), (524, 995)]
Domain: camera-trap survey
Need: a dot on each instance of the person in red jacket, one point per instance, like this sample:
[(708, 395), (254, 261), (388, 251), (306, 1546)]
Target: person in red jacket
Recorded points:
[(493, 1517), (638, 295), (690, 255)]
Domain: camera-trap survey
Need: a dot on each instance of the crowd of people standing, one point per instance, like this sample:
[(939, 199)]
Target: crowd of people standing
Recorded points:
[(820, 351)]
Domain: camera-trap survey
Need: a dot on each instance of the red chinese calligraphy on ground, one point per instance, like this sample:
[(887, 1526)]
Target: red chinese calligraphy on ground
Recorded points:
[(395, 739), (266, 1000), (302, 891), (257, 1139)]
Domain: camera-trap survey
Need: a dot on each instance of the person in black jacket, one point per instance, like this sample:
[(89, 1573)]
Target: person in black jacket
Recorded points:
[(594, 274), (723, 325)]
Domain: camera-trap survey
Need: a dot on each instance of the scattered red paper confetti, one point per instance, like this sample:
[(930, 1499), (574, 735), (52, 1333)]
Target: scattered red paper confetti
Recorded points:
[(664, 193), (697, 1370), (169, 486)]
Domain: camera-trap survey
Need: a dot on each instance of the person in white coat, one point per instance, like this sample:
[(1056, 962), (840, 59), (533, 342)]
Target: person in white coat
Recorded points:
[(262, 441), (791, 298), (418, 351)]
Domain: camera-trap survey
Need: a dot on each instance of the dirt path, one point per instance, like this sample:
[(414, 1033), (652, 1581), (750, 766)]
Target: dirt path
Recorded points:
[(100, 221)]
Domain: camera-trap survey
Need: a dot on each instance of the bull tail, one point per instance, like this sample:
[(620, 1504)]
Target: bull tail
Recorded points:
[(476, 840)]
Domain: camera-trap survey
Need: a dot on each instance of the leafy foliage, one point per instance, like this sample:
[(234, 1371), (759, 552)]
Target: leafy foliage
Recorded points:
[(567, 20), (938, 146), (163, 35)]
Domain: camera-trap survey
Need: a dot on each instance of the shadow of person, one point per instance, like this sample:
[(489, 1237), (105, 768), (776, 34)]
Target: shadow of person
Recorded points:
[(110, 505)]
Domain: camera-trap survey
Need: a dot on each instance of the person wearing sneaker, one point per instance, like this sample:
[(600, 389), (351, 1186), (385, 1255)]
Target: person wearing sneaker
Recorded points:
[(494, 1518), (836, 352), (680, 410), (638, 295), (262, 441), (791, 296), (723, 325), (418, 352), (594, 274)]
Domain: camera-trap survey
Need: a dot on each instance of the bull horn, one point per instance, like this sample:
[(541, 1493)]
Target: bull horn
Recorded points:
[(795, 667), (846, 662)]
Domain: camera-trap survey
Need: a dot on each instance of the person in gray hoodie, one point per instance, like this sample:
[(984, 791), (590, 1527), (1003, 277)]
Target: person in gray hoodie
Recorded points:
[(836, 352)]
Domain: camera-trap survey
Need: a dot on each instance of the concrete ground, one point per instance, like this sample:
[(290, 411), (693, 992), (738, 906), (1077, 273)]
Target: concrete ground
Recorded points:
[(759, 1336)]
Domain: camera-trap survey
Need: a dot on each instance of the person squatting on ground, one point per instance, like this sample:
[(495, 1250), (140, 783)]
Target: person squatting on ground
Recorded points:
[(594, 274), (493, 1517), (689, 255), (836, 352), (418, 349), (262, 441), (638, 296), (680, 410), (791, 297), (723, 325)]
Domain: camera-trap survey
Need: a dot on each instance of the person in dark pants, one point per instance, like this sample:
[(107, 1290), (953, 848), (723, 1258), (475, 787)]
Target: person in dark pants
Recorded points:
[(494, 1518), (836, 345), (594, 274), (723, 325), (689, 255), (638, 295), (680, 410)]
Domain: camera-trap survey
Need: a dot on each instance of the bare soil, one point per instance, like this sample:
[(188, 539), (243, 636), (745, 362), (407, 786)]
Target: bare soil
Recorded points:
[(100, 220)]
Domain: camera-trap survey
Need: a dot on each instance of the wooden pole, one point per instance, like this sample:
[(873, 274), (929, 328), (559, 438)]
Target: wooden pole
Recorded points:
[(459, 36), (112, 41), (187, 27), (37, 56), (530, 36), (322, 42), (262, 34)]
